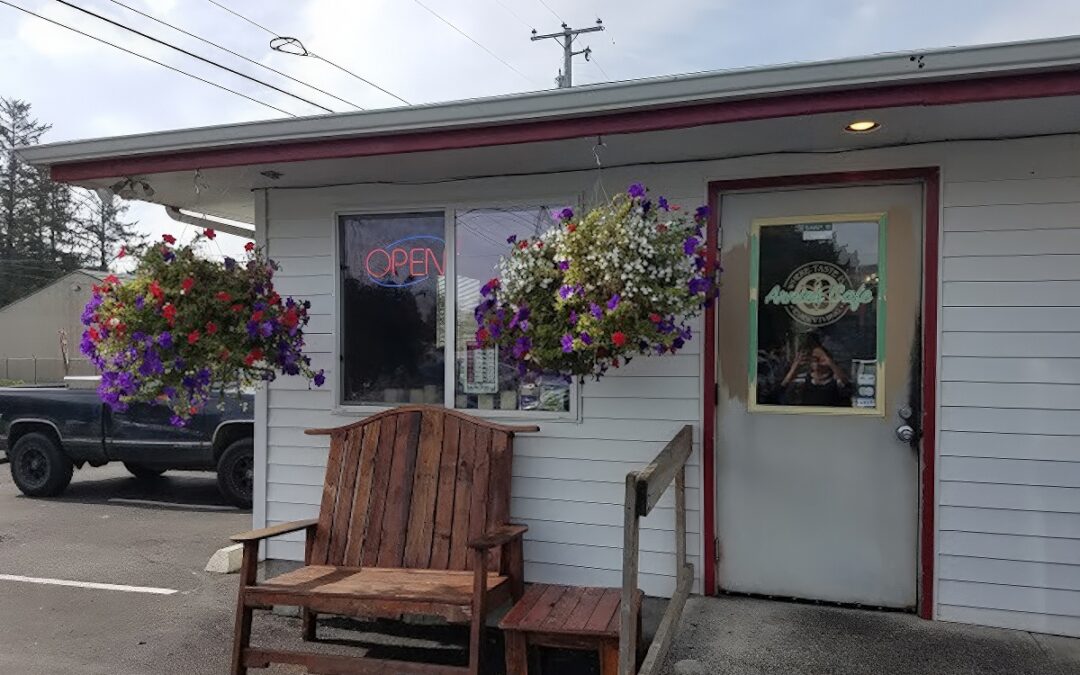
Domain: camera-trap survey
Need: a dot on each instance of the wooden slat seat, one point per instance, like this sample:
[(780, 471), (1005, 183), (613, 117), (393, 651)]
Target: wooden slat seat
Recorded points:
[(414, 520), (376, 582)]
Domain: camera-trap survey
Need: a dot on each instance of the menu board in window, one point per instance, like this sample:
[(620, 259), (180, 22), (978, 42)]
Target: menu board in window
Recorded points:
[(817, 312)]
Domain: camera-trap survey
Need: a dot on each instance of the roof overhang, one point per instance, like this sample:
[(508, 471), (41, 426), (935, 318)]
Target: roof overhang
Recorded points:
[(931, 78)]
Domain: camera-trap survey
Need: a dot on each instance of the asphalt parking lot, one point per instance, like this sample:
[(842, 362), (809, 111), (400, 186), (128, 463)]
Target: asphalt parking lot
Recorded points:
[(110, 528)]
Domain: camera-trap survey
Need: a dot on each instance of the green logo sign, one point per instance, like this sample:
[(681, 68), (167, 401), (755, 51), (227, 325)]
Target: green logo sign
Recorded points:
[(818, 294)]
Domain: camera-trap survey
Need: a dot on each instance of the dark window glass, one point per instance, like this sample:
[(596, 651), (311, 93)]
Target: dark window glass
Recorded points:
[(817, 314), (393, 283), (488, 379)]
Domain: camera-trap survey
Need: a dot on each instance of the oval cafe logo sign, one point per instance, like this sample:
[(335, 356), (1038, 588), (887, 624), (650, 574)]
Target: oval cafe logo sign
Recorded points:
[(818, 294)]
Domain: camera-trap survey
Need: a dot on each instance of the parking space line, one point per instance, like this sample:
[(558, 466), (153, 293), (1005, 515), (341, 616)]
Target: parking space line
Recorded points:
[(88, 584), (177, 505)]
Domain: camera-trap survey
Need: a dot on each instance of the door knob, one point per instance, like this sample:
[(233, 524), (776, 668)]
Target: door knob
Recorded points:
[(905, 432)]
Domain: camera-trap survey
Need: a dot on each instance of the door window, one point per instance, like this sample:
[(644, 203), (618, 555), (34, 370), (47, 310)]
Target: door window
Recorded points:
[(817, 310)]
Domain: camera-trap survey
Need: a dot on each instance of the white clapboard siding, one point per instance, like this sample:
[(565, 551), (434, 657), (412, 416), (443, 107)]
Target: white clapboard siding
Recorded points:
[(1009, 468)]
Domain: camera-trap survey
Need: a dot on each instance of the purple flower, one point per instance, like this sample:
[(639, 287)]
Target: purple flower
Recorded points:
[(90, 309), (252, 329), (677, 343), (521, 347), (140, 302), (168, 255), (613, 302), (564, 265), (596, 310), (565, 291), (165, 340), (319, 379), (230, 264), (177, 421), (573, 318), (636, 190), (586, 338), (702, 212), (698, 285), (690, 245), (512, 239), (567, 343), (520, 317), (662, 203), (566, 214)]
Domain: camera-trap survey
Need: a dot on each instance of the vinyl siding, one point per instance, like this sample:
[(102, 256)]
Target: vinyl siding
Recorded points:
[(1008, 490), (1009, 464)]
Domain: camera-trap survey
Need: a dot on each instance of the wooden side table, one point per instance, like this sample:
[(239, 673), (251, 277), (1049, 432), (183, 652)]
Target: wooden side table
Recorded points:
[(567, 617)]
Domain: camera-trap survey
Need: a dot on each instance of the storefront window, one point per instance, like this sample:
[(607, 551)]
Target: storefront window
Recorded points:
[(488, 379), (392, 305), (817, 314)]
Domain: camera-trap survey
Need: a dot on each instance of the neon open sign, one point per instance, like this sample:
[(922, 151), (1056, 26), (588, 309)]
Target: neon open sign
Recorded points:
[(406, 261)]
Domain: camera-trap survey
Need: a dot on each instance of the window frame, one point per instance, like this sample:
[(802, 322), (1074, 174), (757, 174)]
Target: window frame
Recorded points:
[(449, 209)]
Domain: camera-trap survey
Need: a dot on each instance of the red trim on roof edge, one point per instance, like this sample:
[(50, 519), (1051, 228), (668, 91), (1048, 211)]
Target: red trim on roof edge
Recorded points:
[(983, 89)]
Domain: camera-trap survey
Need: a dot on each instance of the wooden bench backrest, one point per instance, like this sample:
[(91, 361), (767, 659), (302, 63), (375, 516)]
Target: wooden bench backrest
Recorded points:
[(410, 487)]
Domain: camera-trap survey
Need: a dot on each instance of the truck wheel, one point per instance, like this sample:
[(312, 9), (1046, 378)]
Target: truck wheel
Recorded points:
[(143, 472), (236, 472), (39, 467)]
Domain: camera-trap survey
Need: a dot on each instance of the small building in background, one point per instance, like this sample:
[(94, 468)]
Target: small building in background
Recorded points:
[(40, 332)]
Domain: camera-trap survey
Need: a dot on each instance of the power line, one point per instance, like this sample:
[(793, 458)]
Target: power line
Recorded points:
[(236, 54), (553, 12), (325, 60), (472, 40), (193, 54), (592, 59), (517, 16), (147, 58)]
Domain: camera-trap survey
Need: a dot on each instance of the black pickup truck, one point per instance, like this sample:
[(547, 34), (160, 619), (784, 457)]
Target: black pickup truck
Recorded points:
[(49, 431)]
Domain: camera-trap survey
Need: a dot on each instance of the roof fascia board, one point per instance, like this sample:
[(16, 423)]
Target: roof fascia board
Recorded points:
[(877, 70)]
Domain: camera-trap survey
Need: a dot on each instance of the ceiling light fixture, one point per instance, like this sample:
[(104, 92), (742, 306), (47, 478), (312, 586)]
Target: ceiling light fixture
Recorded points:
[(862, 126)]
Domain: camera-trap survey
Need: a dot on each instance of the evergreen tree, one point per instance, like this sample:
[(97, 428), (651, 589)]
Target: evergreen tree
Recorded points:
[(37, 241), (102, 228)]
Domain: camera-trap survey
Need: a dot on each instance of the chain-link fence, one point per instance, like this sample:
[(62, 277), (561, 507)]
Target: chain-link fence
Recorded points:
[(40, 370)]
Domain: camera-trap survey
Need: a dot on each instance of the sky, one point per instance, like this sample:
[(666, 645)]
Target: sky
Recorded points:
[(86, 89)]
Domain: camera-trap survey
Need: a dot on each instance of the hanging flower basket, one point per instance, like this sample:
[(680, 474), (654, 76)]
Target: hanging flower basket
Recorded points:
[(184, 326), (592, 292)]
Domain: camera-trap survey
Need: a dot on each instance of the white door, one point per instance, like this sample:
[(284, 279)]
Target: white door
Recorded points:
[(817, 496)]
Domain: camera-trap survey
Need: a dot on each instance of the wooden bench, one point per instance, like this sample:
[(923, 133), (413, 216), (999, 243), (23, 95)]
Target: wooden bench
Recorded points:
[(567, 617), (414, 521)]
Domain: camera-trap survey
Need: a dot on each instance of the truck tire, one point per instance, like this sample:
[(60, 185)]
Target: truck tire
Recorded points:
[(236, 472), (143, 472), (39, 466)]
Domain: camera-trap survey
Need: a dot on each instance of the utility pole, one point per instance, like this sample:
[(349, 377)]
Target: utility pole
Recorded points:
[(566, 38)]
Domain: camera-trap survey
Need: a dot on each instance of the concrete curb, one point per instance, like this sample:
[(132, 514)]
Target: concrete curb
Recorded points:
[(226, 560)]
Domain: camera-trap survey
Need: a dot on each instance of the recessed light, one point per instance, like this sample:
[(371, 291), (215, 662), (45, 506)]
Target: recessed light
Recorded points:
[(862, 126)]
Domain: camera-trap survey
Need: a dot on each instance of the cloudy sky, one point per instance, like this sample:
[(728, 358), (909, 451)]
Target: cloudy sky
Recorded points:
[(87, 89)]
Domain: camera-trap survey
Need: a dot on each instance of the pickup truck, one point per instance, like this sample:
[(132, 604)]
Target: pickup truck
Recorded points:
[(49, 431)]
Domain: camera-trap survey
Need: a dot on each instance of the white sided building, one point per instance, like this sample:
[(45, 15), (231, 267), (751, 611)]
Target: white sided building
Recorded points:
[(884, 399)]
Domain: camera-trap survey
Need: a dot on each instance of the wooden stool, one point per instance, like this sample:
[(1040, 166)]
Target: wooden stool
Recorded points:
[(567, 617)]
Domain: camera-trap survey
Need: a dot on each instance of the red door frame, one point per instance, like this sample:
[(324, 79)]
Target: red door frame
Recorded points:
[(930, 178)]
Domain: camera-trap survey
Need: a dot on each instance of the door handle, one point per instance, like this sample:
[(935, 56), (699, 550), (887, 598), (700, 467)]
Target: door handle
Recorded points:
[(906, 433)]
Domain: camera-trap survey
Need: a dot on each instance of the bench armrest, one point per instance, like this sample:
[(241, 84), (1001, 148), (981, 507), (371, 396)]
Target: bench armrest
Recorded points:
[(503, 534), (275, 530)]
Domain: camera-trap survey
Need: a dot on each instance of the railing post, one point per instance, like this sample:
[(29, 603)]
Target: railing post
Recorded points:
[(628, 636), (680, 520)]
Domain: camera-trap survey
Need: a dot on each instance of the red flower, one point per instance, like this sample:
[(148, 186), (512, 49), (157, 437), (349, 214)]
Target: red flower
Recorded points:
[(524, 244), (168, 238), (94, 334), (211, 328), (654, 317), (237, 307), (224, 354), (661, 228), (274, 298), (155, 290), (193, 337), (122, 253), (257, 316), (193, 410), (111, 279), (186, 285), (618, 338), (289, 319), (210, 233), (249, 247), (482, 335), (223, 296), (253, 356), (570, 227), (169, 312)]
